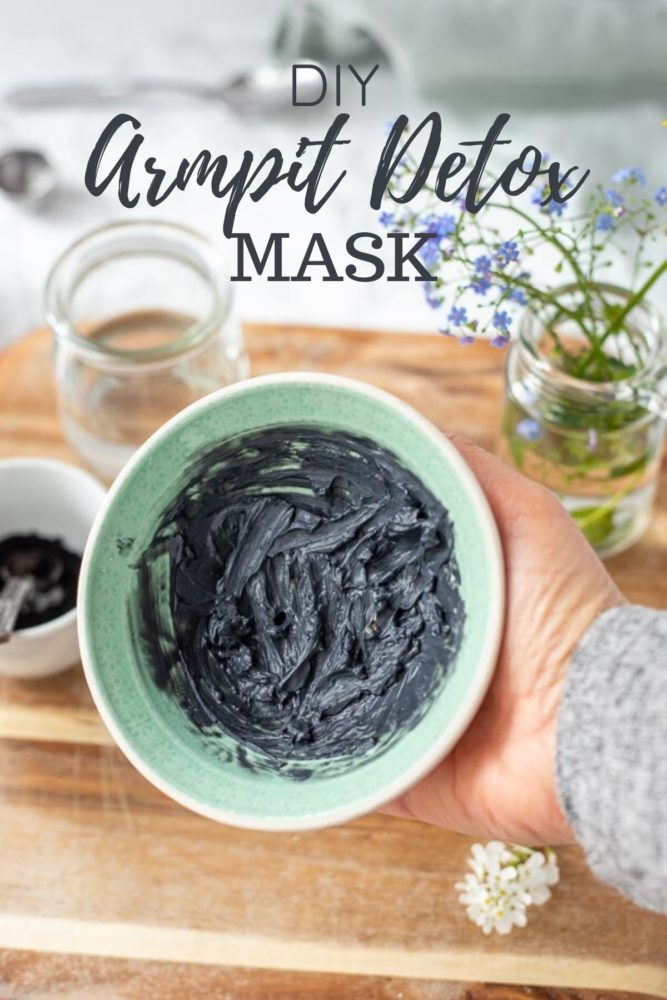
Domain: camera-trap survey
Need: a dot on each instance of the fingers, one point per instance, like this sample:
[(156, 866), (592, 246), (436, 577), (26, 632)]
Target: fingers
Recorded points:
[(433, 800), (495, 477), (506, 490)]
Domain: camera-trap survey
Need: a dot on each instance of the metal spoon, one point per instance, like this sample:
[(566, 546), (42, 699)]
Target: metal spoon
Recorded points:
[(12, 598), (27, 176), (265, 88)]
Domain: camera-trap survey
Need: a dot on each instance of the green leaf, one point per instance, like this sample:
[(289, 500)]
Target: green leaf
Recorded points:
[(516, 449), (597, 523)]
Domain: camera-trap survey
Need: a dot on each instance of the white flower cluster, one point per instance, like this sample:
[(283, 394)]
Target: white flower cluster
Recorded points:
[(506, 879)]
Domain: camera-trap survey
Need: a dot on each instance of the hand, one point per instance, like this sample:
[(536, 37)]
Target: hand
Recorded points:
[(499, 780)]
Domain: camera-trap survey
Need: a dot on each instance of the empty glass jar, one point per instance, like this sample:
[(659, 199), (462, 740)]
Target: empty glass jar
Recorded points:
[(141, 313)]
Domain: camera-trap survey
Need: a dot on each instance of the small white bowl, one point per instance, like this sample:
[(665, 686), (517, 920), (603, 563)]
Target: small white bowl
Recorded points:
[(57, 501)]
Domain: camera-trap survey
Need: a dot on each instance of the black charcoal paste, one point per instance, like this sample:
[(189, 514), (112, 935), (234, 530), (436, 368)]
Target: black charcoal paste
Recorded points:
[(312, 598), (53, 569)]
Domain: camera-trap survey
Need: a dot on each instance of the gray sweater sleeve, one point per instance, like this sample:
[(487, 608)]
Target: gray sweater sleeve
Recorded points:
[(611, 758)]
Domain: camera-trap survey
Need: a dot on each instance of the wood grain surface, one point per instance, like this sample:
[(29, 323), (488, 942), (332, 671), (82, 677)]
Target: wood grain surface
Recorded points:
[(26, 975), (95, 863)]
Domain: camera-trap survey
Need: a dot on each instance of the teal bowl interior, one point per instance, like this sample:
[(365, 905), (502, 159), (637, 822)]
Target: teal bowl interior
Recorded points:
[(151, 727)]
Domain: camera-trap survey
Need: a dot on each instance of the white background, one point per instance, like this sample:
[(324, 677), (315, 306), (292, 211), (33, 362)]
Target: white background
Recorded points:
[(208, 39)]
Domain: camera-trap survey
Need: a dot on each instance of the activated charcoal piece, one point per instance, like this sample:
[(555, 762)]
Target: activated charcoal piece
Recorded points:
[(52, 567), (313, 598)]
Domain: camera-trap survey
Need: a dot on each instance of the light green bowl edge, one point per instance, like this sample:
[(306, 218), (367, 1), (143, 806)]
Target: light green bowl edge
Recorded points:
[(148, 726)]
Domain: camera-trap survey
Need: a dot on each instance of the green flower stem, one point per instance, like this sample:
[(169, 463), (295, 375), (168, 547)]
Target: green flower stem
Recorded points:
[(581, 252), (542, 296), (616, 326), (582, 280), (634, 300), (585, 287), (596, 523)]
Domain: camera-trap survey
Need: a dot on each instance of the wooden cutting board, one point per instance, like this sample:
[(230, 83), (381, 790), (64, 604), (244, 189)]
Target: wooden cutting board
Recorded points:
[(155, 901)]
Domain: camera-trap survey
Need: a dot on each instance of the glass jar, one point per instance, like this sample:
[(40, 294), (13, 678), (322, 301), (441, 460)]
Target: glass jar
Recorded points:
[(597, 445), (141, 313)]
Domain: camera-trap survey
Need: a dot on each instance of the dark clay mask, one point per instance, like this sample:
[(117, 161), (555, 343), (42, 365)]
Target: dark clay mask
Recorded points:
[(53, 569), (314, 606)]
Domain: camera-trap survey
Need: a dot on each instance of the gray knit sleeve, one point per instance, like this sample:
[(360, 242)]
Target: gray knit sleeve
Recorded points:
[(611, 758)]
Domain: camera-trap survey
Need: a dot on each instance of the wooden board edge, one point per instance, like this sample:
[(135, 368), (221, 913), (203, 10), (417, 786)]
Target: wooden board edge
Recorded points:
[(50, 725), (201, 947)]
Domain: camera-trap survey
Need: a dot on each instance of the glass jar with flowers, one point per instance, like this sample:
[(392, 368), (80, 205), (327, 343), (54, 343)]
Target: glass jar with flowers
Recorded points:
[(586, 370)]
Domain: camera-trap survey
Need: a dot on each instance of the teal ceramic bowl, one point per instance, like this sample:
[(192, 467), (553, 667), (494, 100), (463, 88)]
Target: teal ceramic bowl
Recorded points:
[(151, 727)]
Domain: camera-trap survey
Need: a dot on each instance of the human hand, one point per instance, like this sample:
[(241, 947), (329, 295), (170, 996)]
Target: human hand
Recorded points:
[(499, 780)]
